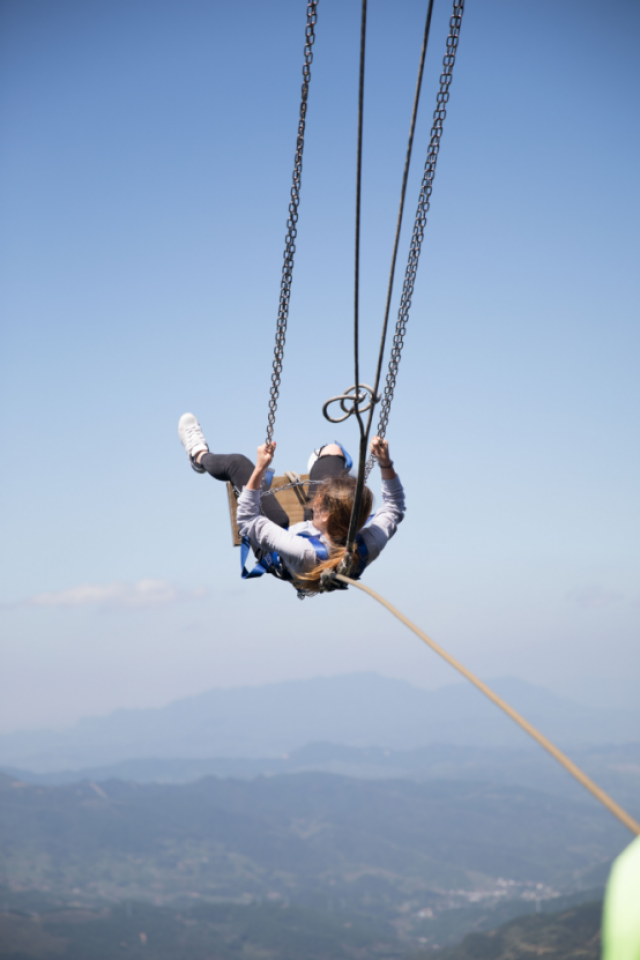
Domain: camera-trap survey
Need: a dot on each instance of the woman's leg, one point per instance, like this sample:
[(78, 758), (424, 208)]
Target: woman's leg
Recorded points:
[(236, 469)]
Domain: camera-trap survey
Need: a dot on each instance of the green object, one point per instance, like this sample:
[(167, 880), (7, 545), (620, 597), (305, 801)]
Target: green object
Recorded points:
[(621, 918)]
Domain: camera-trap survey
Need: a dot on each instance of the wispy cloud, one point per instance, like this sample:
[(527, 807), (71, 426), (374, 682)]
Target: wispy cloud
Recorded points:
[(144, 593), (594, 596)]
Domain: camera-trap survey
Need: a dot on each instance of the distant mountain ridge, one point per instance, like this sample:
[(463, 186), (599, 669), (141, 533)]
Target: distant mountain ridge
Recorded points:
[(357, 710), (616, 768)]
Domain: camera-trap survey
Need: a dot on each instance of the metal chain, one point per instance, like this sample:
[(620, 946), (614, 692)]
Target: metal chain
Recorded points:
[(292, 232), (288, 486), (424, 203)]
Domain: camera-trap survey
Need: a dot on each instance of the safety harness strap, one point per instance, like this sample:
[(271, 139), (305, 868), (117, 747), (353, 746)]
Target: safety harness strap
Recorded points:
[(266, 564), (320, 548), (272, 563)]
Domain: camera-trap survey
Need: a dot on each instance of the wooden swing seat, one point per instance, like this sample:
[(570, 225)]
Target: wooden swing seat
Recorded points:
[(293, 501)]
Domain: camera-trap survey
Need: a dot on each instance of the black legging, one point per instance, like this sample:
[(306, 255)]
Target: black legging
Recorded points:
[(236, 469)]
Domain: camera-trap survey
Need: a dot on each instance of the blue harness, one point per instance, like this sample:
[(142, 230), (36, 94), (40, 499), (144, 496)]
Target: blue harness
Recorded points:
[(272, 563)]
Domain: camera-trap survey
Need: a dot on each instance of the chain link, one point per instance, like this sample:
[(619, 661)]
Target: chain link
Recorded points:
[(424, 202), (288, 486), (292, 231)]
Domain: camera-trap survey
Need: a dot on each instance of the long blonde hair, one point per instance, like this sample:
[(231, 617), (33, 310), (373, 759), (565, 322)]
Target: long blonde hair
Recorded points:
[(336, 496)]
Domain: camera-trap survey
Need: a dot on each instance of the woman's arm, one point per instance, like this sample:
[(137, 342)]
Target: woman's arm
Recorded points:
[(264, 457), (384, 524), (380, 450), (297, 552), (263, 534)]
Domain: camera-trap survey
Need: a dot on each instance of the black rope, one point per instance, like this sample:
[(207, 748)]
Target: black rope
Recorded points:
[(354, 395), (351, 536), (356, 286), (424, 203), (364, 432), (403, 192)]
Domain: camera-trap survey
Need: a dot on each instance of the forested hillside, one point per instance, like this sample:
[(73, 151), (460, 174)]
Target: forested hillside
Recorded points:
[(427, 861)]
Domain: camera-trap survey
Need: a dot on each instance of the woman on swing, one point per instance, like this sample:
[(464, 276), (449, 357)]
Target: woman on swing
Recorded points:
[(266, 525)]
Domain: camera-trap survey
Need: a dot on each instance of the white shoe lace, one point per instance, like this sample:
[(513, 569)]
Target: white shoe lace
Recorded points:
[(193, 438)]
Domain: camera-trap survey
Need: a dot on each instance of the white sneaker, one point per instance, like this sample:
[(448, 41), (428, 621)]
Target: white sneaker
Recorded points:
[(192, 439)]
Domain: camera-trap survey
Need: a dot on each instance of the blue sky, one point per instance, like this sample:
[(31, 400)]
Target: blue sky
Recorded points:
[(144, 178)]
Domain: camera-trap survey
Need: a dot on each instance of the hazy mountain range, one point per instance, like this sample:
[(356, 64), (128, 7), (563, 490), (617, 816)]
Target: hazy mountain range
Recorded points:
[(616, 768), (429, 816), (357, 710)]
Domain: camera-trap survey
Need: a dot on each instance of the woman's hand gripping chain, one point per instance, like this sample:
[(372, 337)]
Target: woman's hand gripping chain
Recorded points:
[(264, 456)]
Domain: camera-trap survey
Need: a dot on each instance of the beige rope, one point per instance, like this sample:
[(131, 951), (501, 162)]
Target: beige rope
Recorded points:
[(568, 764)]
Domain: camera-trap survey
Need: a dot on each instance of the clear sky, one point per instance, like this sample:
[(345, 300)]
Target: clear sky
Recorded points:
[(147, 150)]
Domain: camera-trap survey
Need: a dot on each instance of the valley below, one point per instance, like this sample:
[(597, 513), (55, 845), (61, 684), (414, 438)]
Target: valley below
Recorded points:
[(411, 865)]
